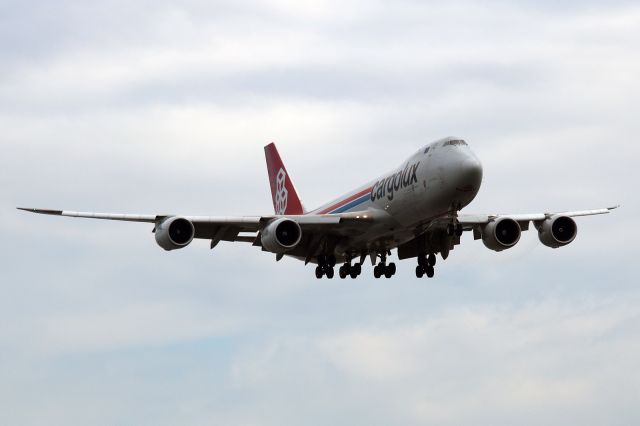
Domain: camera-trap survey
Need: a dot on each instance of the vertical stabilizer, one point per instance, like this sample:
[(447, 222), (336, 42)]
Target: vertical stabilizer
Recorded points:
[(284, 194)]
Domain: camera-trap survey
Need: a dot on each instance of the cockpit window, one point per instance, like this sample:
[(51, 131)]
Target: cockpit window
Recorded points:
[(426, 150), (455, 142)]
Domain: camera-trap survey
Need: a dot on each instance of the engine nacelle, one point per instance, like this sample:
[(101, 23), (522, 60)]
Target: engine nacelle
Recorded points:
[(557, 231), (501, 234), (281, 235), (174, 233)]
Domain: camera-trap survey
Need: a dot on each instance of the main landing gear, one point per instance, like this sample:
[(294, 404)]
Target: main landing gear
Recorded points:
[(325, 266), (383, 269), (350, 270), (425, 265)]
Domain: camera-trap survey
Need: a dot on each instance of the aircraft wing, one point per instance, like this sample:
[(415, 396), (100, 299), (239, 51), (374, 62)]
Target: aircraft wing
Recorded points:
[(439, 236), (469, 220), (229, 228)]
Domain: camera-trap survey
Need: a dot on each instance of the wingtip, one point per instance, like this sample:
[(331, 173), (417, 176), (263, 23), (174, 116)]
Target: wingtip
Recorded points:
[(613, 207), (41, 211)]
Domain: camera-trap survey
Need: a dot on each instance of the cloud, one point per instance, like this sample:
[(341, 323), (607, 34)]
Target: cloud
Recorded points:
[(155, 107), (467, 364)]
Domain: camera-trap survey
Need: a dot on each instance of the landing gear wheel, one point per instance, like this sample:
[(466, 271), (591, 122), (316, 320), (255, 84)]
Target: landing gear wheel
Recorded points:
[(357, 268), (353, 274), (419, 271), (377, 271), (329, 272), (342, 272), (432, 259), (319, 272), (390, 270), (422, 260), (331, 260), (429, 271)]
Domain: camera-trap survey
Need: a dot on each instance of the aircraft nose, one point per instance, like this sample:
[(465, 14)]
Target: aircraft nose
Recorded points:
[(470, 175)]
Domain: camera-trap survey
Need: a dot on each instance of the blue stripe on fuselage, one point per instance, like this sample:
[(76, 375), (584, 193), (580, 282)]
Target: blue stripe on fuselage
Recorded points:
[(352, 204)]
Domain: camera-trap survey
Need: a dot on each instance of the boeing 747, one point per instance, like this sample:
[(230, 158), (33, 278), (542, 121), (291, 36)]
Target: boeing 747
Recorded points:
[(415, 209)]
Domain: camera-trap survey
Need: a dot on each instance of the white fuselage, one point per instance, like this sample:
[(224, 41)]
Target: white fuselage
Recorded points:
[(439, 179)]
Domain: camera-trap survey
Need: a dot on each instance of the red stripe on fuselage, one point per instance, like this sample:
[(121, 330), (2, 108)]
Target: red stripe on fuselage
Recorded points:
[(345, 201)]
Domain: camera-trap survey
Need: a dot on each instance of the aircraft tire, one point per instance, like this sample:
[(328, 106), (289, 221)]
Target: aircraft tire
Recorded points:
[(419, 271), (432, 259), (342, 272), (329, 272), (357, 268), (392, 268), (430, 272), (377, 272), (319, 272)]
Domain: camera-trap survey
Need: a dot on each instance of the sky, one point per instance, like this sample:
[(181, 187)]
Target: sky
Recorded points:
[(164, 107)]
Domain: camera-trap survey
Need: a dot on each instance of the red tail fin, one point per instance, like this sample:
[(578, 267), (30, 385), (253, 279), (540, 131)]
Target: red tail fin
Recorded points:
[(284, 194)]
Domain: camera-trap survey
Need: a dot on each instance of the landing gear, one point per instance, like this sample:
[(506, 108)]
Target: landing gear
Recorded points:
[(390, 270), (329, 260), (378, 270), (425, 265), (429, 270), (324, 271), (355, 270), (350, 270), (383, 269), (329, 272), (325, 266), (342, 272)]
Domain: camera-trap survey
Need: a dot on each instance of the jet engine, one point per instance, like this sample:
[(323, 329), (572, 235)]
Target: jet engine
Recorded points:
[(281, 235), (557, 231), (501, 234), (174, 233)]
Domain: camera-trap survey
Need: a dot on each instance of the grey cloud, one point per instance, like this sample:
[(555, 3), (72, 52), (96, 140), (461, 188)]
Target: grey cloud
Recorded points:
[(159, 107)]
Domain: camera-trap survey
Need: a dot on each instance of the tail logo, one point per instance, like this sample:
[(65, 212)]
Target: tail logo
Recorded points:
[(281, 192)]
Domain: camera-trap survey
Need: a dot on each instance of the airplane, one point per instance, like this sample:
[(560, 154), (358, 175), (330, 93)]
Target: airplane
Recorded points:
[(414, 209)]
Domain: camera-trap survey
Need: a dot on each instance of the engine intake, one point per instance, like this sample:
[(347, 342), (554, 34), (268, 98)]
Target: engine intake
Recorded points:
[(501, 234), (557, 231), (174, 233), (281, 235)]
